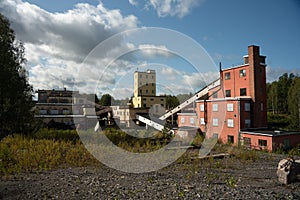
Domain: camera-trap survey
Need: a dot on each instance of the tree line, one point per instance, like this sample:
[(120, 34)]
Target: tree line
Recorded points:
[(283, 99), (15, 91)]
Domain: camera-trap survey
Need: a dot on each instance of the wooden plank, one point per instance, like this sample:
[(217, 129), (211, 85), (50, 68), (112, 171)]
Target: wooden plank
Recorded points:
[(218, 156)]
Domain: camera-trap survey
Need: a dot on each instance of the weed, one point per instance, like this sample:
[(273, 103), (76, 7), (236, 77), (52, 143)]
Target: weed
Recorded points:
[(231, 182)]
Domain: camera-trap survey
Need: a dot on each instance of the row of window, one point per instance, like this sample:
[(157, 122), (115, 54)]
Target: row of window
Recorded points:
[(141, 84), (215, 122), (144, 99), (230, 107), (58, 112), (152, 76), (261, 142), (192, 120), (147, 92), (243, 92), (122, 113), (242, 74)]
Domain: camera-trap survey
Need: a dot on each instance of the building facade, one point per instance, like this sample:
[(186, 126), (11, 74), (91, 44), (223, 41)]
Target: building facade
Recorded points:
[(145, 90), (58, 108), (236, 106)]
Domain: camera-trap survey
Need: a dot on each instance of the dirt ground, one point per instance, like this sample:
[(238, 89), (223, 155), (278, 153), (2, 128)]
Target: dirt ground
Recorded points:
[(227, 178)]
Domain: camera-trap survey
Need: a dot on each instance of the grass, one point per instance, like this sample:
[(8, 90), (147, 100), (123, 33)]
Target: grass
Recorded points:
[(51, 149), (19, 154)]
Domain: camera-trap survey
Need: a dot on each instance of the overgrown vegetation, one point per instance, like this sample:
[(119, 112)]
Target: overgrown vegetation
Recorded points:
[(283, 98), (20, 153), (51, 149)]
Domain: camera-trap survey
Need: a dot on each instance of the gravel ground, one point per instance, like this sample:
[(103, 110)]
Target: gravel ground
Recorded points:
[(227, 178)]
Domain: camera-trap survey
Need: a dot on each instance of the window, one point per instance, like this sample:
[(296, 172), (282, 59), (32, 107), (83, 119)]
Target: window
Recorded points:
[(192, 120), (43, 112), (146, 91), (215, 95), (243, 92), (261, 107), (66, 112), (146, 76), (182, 120), (140, 91), (152, 91), (54, 112), (202, 121), (227, 76), (215, 107), (230, 123), (230, 107), (247, 106), (145, 105), (262, 143), (286, 144), (230, 139), (247, 142), (247, 123), (215, 122), (146, 83), (228, 93), (152, 84), (242, 73), (201, 107), (151, 99)]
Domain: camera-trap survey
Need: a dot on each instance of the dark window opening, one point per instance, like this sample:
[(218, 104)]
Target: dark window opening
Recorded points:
[(262, 142), (243, 92), (242, 73), (215, 95), (230, 139), (228, 93)]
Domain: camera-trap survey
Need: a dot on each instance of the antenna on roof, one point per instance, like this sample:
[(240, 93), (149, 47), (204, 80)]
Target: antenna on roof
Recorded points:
[(220, 66)]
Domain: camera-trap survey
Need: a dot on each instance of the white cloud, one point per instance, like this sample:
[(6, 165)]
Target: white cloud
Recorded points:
[(57, 43), (198, 80), (172, 8), (154, 50), (273, 74), (133, 2)]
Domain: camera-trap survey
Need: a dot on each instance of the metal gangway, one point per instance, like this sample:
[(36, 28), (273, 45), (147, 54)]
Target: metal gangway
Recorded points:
[(187, 102)]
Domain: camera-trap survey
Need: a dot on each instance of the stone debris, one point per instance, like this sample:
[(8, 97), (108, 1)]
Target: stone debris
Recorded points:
[(287, 170)]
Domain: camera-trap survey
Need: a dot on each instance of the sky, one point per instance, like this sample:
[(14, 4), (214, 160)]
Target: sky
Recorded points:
[(95, 46)]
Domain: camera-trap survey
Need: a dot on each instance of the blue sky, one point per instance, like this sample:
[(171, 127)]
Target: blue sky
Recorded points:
[(223, 28)]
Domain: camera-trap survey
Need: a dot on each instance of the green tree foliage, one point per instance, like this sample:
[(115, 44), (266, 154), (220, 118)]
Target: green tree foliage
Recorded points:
[(272, 100), (294, 104), (171, 102), (15, 92), (277, 93), (106, 100)]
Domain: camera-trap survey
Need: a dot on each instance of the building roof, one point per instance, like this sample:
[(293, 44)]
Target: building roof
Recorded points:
[(272, 133)]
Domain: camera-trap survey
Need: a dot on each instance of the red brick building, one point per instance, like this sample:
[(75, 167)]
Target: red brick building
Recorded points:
[(236, 106)]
